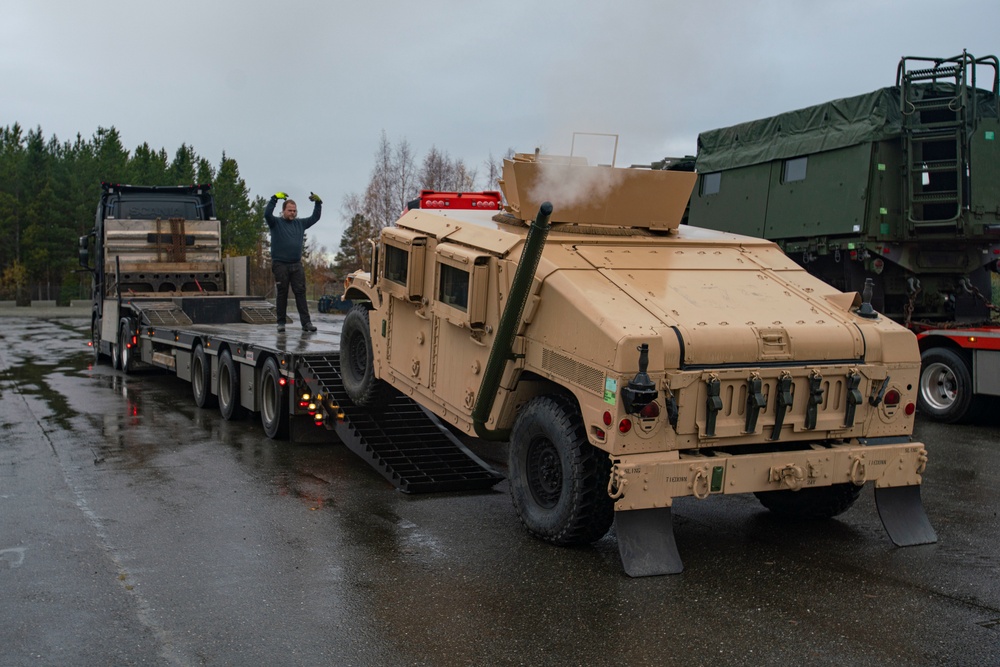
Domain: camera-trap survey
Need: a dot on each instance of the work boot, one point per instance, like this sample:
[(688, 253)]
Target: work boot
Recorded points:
[(309, 327), (281, 327)]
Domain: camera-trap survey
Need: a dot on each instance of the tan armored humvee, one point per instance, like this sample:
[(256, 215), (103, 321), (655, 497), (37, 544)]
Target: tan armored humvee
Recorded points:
[(630, 361)]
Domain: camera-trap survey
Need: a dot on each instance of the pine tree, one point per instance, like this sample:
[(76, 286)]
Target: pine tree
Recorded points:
[(353, 254), (241, 225)]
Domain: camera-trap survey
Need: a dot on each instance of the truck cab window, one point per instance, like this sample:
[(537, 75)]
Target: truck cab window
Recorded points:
[(453, 287)]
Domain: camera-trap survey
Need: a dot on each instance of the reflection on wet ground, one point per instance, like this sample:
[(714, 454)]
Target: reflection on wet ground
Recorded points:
[(221, 546)]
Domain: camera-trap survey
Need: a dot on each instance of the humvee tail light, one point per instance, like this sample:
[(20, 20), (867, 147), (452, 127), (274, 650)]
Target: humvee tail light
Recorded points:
[(282, 382), (607, 418), (306, 397), (910, 409), (318, 419), (891, 397), (650, 411), (625, 425)]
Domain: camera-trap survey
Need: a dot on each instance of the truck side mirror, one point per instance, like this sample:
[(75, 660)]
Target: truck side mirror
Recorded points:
[(84, 251)]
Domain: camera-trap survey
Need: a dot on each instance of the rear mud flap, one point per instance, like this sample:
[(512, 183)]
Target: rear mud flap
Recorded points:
[(903, 516), (646, 542)]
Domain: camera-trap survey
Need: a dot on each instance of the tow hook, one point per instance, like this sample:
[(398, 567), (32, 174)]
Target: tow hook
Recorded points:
[(791, 476)]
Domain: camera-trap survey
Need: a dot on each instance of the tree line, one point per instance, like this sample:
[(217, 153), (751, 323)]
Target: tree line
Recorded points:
[(49, 191)]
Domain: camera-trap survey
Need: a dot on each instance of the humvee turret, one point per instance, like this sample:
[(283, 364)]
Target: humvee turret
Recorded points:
[(630, 361)]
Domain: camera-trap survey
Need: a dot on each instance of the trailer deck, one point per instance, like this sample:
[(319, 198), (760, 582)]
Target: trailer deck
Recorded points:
[(405, 443)]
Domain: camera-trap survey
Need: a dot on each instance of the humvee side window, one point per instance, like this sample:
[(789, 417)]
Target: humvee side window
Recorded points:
[(396, 260), (453, 287), (794, 170), (710, 183)]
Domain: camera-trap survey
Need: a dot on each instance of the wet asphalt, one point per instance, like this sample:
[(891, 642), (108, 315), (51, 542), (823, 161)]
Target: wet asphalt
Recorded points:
[(137, 529)]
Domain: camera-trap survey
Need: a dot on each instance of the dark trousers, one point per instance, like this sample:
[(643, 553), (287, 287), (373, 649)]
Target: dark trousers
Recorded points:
[(291, 274)]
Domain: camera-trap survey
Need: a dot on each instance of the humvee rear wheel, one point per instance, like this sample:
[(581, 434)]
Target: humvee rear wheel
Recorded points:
[(273, 401), (558, 480), (201, 379), (357, 368), (823, 502)]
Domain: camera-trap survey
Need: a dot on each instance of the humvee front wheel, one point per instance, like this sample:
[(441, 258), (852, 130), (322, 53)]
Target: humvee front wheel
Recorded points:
[(824, 502), (357, 367), (558, 480)]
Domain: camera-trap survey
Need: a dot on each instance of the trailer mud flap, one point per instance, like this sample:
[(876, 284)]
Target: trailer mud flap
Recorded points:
[(646, 542), (903, 515)]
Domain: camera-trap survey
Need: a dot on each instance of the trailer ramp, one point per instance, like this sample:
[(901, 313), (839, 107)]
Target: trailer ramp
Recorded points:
[(408, 445)]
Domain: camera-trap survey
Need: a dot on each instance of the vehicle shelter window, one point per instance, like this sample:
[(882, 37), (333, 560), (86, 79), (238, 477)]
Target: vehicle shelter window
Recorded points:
[(453, 288), (794, 170), (710, 183), (396, 261)]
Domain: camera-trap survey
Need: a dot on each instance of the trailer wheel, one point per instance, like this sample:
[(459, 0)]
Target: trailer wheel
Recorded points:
[(824, 502), (558, 480), (946, 392), (201, 379), (273, 401), (357, 367), (95, 339), (229, 388), (126, 351)]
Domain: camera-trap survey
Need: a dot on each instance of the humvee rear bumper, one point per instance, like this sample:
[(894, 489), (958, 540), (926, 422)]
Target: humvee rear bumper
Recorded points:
[(644, 486), (646, 481)]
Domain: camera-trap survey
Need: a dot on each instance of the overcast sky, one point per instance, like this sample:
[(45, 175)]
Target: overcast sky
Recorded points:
[(299, 92)]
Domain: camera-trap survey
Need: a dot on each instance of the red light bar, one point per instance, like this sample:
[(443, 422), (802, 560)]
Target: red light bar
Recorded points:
[(488, 200)]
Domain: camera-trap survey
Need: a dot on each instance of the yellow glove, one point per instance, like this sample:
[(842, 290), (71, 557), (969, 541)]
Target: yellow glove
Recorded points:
[(280, 195), (315, 197)]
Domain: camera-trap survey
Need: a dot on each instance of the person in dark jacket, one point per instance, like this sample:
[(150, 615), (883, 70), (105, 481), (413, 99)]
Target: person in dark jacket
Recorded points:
[(287, 237)]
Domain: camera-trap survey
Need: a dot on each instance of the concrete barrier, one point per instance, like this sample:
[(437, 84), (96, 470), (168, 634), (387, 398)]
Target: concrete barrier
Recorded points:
[(8, 304), (80, 303), (43, 304)]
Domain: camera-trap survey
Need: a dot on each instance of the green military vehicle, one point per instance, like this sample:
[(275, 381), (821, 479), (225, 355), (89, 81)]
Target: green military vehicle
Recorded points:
[(630, 360), (900, 186)]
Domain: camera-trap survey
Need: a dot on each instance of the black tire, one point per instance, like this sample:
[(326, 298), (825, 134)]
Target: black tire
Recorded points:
[(824, 502), (357, 367), (125, 351), (273, 401), (945, 391), (95, 339), (229, 388), (201, 379), (558, 480)]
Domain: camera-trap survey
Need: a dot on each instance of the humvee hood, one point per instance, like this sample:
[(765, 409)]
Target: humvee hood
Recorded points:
[(731, 305)]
